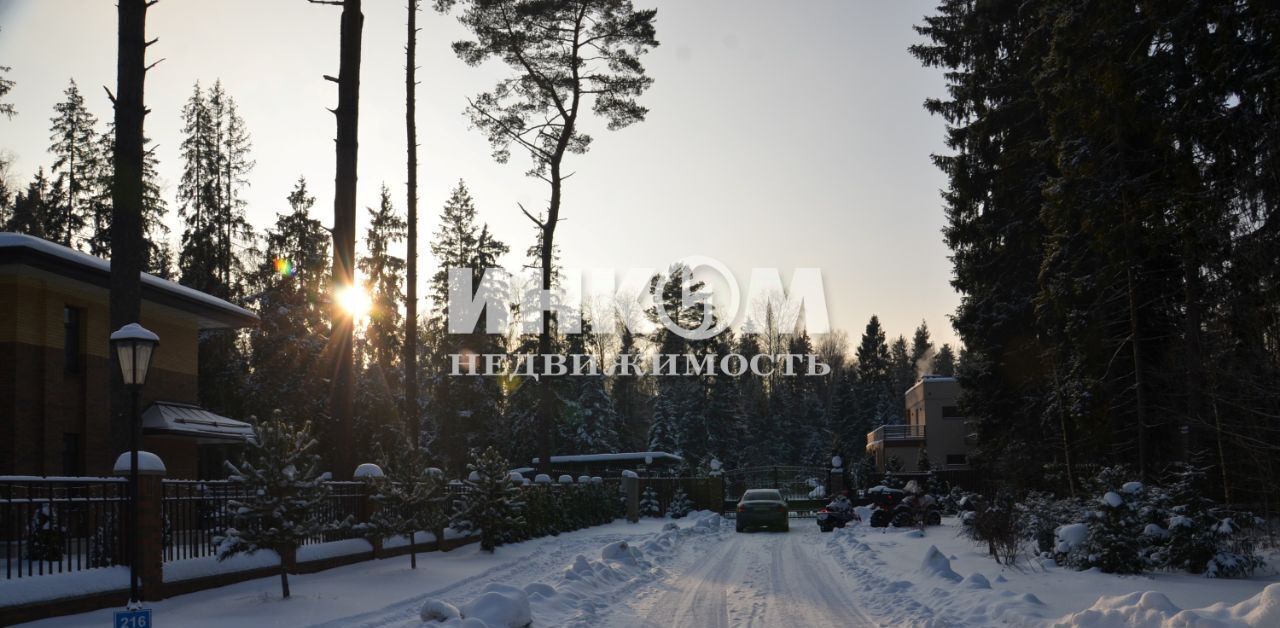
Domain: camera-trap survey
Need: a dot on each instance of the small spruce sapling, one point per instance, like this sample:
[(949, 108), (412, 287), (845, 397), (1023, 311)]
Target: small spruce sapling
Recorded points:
[(649, 506), (281, 492), (404, 494), (492, 503), (1114, 544), (680, 504)]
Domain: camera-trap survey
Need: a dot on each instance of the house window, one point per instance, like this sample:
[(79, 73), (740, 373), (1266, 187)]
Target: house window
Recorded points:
[(71, 338), (957, 459), (951, 412), (71, 455)]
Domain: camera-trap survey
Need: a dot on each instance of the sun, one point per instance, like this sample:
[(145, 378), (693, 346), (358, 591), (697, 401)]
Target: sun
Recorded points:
[(354, 301)]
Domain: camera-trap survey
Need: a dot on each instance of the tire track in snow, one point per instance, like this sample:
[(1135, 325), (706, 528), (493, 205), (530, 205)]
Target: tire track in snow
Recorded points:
[(699, 598)]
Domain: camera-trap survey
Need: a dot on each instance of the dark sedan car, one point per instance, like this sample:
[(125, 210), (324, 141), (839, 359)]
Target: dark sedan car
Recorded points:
[(762, 508)]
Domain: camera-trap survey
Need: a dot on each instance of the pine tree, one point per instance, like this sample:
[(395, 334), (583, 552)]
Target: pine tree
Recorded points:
[(492, 504), (530, 109), (74, 145), (281, 492)]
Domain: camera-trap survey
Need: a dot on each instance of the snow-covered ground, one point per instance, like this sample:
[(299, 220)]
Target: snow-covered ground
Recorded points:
[(941, 579), (699, 573)]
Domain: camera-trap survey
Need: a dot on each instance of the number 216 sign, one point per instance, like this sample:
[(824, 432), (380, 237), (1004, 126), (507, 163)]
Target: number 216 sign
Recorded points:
[(133, 619)]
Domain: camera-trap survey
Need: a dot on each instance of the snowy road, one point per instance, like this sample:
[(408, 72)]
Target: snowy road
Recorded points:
[(749, 580)]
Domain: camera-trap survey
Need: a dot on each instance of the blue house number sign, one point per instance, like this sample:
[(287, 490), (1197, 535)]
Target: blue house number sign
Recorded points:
[(133, 619)]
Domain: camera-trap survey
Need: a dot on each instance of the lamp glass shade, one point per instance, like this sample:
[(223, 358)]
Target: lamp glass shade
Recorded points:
[(135, 360)]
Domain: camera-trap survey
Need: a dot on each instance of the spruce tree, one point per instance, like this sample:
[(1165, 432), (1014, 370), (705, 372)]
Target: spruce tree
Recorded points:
[(649, 506), (281, 492), (292, 284), (6, 109), (944, 362), (680, 504), (465, 411), (384, 280), (74, 145)]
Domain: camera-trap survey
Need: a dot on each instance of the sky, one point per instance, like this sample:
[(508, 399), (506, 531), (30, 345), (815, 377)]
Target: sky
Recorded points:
[(779, 134)]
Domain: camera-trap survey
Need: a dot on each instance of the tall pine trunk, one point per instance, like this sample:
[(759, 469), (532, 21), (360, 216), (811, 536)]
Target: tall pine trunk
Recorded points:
[(128, 251), (411, 255), (344, 233)]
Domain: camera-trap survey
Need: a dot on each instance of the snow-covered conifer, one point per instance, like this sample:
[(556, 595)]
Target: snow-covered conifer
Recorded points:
[(680, 505), (493, 504), (281, 492), (649, 506)]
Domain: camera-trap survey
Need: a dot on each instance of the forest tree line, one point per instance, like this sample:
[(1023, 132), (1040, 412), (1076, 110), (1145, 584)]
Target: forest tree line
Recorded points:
[(282, 272), (1112, 215)]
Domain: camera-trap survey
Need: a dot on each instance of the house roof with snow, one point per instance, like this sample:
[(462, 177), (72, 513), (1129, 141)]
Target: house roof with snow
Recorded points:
[(645, 457), (170, 418), (25, 254)]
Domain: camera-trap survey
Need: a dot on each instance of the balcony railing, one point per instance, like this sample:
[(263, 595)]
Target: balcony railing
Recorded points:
[(895, 433)]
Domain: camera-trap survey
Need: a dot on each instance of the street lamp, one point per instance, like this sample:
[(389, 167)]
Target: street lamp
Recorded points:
[(134, 345)]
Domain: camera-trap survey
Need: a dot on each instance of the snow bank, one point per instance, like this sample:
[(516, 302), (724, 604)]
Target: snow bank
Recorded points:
[(896, 591), (51, 587), (500, 606), (1152, 608), (438, 610), (936, 564), (574, 598)]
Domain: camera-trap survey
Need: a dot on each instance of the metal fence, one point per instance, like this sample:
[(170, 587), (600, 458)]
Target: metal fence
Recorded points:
[(196, 513), (59, 525)]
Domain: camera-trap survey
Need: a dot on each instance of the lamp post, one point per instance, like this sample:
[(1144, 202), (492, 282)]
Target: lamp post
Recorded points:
[(134, 345)]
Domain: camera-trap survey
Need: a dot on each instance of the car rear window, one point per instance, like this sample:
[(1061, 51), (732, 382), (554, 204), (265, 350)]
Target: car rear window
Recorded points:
[(761, 495)]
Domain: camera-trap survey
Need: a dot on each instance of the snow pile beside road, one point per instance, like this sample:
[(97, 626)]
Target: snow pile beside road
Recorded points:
[(931, 594), (585, 588), (1151, 608)]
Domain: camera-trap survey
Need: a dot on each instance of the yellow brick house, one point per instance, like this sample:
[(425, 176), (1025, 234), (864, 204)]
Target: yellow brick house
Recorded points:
[(54, 377)]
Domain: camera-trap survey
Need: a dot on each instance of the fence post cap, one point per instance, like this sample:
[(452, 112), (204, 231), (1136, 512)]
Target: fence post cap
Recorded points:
[(148, 464)]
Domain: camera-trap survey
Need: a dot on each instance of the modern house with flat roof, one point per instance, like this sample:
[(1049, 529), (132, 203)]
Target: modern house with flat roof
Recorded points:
[(934, 427), (54, 367)]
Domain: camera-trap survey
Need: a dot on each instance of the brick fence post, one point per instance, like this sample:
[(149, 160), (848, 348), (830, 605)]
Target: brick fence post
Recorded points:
[(151, 533), (631, 486)]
